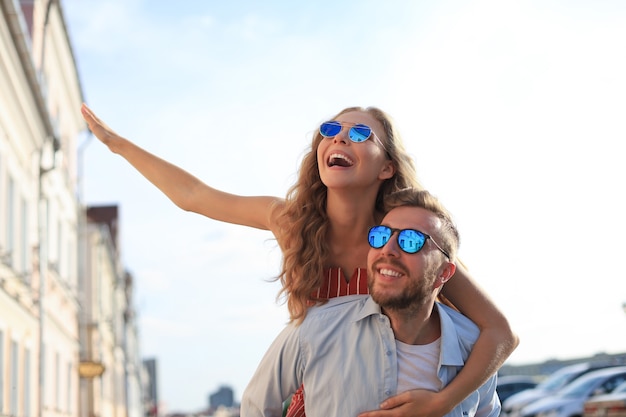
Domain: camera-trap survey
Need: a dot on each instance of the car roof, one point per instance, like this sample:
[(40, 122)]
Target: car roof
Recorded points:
[(561, 397), (568, 373), (597, 374), (563, 376), (604, 371)]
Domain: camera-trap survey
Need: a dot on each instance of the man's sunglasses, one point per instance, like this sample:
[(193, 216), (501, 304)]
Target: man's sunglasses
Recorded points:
[(409, 240), (358, 132)]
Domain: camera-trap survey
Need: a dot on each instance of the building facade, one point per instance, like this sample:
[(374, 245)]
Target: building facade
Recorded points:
[(111, 381), (151, 388), (224, 396), (38, 220), (45, 238)]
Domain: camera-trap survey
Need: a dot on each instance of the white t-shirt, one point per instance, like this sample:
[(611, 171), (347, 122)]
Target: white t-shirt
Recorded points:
[(417, 366)]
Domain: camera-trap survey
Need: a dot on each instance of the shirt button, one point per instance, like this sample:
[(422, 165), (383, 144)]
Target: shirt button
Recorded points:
[(388, 353), (387, 392)]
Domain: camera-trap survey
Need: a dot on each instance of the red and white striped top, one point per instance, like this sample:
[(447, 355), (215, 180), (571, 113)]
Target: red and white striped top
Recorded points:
[(336, 285)]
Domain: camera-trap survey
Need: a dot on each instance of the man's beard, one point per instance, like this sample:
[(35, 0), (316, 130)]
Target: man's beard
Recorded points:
[(417, 293)]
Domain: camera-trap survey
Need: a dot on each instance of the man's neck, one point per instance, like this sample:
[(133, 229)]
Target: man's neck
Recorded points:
[(415, 327)]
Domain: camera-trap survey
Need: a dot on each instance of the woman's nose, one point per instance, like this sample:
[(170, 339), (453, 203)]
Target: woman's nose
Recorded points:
[(342, 136)]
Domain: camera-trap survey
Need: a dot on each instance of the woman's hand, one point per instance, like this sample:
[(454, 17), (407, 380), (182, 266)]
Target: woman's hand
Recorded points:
[(100, 129), (414, 403)]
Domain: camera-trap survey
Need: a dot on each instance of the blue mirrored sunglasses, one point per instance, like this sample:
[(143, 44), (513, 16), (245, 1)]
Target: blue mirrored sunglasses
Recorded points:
[(357, 133), (409, 240)]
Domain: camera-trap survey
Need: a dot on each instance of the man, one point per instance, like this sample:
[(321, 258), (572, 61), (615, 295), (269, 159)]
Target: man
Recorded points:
[(354, 352)]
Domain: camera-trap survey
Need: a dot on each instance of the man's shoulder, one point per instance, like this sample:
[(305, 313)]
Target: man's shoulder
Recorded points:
[(455, 315), (463, 326)]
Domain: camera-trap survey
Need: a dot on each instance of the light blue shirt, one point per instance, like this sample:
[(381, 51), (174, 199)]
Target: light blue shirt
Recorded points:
[(344, 353)]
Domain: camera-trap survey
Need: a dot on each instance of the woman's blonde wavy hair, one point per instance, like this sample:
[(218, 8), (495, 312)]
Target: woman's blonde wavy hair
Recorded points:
[(303, 220)]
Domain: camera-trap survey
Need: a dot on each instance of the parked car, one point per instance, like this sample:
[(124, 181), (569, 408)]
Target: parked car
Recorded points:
[(512, 384), (569, 400), (512, 406), (609, 405)]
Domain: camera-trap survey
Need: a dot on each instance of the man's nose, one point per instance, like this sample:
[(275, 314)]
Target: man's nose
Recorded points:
[(391, 248)]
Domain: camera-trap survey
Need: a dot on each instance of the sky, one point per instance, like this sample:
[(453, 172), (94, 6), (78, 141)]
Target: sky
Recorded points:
[(513, 112)]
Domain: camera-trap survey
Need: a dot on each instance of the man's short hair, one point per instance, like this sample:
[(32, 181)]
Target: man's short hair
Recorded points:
[(448, 237)]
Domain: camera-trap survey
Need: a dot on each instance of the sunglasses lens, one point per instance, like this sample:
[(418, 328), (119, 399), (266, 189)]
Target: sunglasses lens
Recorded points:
[(411, 241), (378, 236), (360, 133), (330, 129)]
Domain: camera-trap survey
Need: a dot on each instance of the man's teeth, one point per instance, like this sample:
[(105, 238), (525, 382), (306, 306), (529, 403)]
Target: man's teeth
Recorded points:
[(389, 272)]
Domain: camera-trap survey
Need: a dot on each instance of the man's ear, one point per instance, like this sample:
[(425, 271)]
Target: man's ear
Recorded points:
[(387, 171), (447, 271)]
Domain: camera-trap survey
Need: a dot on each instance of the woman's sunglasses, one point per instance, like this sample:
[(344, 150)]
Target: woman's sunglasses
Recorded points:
[(358, 132), (409, 240)]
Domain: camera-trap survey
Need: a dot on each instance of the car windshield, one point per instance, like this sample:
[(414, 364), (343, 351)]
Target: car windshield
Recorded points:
[(620, 388), (580, 387), (556, 381)]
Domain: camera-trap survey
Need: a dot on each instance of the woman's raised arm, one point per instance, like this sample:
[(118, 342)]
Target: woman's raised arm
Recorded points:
[(184, 189)]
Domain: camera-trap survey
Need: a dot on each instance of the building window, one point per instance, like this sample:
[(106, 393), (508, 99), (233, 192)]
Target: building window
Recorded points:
[(1, 207), (59, 249), (68, 394), (10, 237), (44, 373), (14, 378), (57, 377), (1, 370), (25, 253), (27, 389)]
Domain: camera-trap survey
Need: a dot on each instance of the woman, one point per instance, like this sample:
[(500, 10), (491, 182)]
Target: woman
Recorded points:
[(355, 160)]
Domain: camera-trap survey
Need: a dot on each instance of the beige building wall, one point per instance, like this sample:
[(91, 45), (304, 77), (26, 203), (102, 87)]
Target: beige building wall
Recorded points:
[(109, 332), (39, 127), (135, 378), (23, 130), (65, 301), (103, 318)]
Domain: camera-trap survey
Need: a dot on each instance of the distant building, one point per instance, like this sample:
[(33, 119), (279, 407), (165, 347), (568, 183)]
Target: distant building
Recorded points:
[(224, 396), (108, 325), (151, 393)]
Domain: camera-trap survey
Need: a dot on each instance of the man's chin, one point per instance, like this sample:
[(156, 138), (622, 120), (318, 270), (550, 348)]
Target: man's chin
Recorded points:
[(391, 300)]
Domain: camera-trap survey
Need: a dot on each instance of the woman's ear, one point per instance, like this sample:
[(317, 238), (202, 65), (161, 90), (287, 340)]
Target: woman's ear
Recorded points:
[(387, 171)]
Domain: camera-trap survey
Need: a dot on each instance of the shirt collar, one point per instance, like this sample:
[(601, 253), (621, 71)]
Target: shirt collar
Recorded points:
[(450, 350), (368, 308), (451, 354)]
